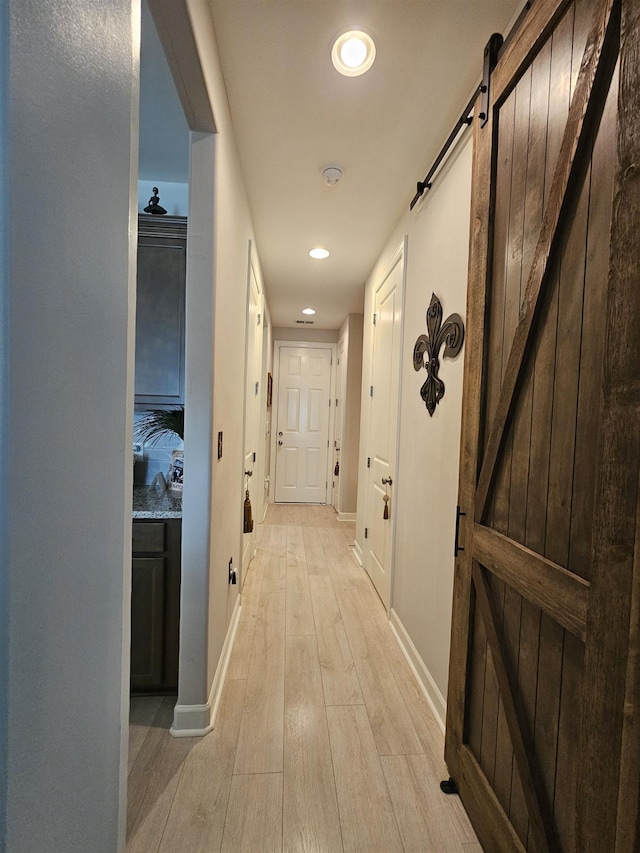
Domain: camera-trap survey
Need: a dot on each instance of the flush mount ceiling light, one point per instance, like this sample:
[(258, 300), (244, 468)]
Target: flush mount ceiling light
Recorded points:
[(308, 310), (353, 53), (319, 253)]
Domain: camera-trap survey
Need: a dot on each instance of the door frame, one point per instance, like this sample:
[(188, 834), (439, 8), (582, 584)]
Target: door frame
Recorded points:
[(276, 392), (338, 430), (399, 256)]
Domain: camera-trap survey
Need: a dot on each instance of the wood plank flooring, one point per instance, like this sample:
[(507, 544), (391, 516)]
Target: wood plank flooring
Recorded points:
[(323, 741)]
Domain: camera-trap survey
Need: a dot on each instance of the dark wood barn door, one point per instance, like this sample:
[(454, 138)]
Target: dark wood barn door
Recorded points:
[(542, 719)]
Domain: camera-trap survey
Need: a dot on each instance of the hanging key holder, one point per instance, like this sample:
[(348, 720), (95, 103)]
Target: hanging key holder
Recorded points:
[(386, 482)]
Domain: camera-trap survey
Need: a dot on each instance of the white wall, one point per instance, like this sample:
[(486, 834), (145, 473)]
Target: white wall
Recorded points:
[(302, 333), (351, 333), (69, 84), (233, 232), (426, 482)]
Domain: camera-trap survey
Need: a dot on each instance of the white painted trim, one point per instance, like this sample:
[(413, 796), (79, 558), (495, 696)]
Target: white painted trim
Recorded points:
[(199, 720), (357, 552), (347, 516), (432, 694)]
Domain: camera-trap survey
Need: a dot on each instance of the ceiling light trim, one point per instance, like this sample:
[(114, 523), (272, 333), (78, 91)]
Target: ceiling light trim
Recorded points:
[(353, 53), (319, 254)]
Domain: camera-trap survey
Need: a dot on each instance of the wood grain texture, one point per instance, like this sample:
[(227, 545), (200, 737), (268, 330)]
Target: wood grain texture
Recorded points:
[(310, 811), (573, 140), (153, 782), (489, 820), (366, 814), (339, 676), (260, 748), (197, 817), (561, 594), (480, 235), (391, 724), (618, 463), (194, 794), (142, 713), (525, 44), (427, 818), (541, 821), (254, 815)]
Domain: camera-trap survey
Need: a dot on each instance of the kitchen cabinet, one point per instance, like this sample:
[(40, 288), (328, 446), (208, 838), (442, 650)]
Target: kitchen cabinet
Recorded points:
[(155, 605), (160, 288)]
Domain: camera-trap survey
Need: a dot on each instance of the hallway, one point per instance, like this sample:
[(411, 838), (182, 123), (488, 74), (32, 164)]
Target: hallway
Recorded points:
[(323, 741)]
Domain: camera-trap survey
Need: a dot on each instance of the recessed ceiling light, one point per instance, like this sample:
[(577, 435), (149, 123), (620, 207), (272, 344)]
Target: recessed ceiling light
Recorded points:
[(308, 310), (353, 53), (319, 253)]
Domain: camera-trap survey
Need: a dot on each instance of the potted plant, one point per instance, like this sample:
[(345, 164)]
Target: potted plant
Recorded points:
[(159, 423)]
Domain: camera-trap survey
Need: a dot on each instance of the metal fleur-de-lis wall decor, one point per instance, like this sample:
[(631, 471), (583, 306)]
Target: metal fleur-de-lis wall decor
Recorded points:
[(427, 349)]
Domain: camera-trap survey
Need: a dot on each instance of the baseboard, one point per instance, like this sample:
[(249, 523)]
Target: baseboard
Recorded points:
[(347, 516), (357, 552), (428, 686), (199, 720)]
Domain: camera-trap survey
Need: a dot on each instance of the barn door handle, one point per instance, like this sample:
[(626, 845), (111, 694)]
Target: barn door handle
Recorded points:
[(457, 548)]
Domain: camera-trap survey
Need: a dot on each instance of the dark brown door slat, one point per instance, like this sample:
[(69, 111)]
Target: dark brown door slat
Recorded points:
[(483, 806), (559, 593), (541, 820), (525, 45), (611, 649), (573, 139), (544, 691)]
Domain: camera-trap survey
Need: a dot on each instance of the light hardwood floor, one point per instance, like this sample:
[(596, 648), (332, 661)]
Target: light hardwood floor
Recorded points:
[(323, 741)]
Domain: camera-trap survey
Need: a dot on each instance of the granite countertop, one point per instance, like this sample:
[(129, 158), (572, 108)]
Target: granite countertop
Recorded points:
[(156, 504)]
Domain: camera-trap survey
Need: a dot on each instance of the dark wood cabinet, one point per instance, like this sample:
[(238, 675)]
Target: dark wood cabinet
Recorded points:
[(155, 605), (160, 287)]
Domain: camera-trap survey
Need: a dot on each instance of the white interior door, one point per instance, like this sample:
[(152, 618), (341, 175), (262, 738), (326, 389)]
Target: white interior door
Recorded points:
[(252, 409), (302, 424), (338, 426), (383, 427)]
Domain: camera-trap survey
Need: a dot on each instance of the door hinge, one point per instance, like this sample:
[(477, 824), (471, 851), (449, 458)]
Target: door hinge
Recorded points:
[(257, 386), (254, 456), (368, 462), (329, 402), (336, 402), (375, 319), (258, 320), (366, 533)]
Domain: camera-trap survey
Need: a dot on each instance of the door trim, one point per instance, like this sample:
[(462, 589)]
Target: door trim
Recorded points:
[(398, 256), (276, 391)]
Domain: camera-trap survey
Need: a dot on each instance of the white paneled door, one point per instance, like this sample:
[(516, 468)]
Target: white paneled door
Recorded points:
[(252, 440), (302, 424), (383, 427)]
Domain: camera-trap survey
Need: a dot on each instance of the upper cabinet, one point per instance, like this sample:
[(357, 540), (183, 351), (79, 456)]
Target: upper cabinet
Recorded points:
[(162, 253)]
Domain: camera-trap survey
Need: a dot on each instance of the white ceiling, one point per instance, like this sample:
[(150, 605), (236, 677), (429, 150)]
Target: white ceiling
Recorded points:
[(293, 114)]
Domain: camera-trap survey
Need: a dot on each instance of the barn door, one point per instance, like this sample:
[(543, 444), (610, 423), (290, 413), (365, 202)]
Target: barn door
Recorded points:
[(550, 435)]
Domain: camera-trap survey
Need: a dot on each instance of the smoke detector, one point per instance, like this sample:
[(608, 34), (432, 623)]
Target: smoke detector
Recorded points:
[(332, 175)]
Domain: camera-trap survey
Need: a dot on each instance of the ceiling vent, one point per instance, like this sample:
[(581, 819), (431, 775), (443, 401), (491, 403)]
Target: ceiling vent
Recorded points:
[(332, 175), (305, 322)]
